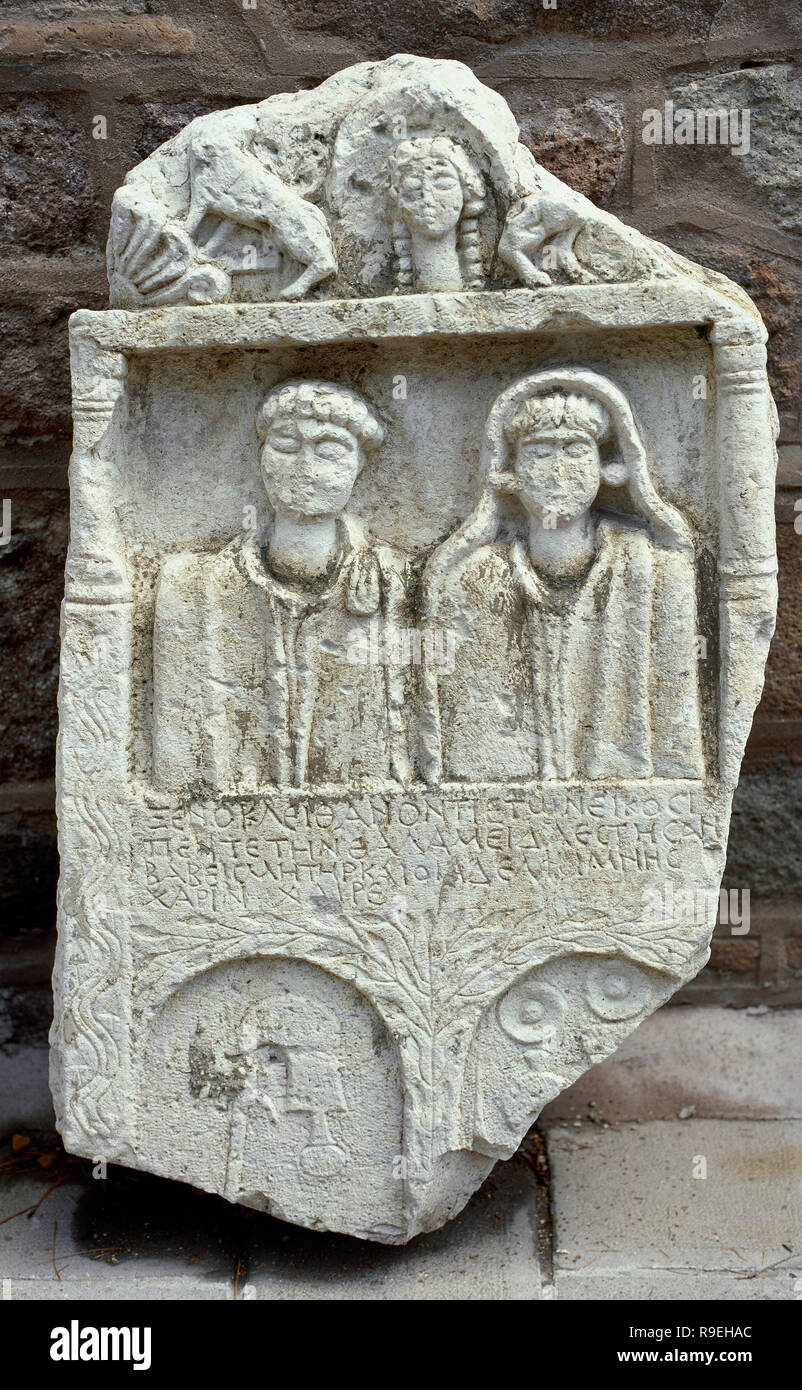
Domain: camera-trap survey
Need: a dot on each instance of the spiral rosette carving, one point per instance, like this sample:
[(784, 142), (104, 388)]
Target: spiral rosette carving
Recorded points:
[(616, 989)]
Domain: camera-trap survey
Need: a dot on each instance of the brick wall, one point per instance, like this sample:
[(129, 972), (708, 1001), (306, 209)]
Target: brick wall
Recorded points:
[(578, 77)]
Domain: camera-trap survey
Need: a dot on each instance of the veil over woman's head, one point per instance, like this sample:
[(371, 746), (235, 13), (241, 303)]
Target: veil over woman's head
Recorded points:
[(563, 397)]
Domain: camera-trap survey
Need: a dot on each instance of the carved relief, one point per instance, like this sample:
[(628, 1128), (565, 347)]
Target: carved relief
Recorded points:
[(404, 175), (542, 225), (285, 1078), (436, 194), (250, 645), (284, 1058), (412, 635), (90, 1067), (548, 1027), (580, 646), (241, 220)]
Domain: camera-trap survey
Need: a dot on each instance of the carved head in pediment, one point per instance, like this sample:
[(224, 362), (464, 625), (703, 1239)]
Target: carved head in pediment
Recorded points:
[(436, 193), (314, 436)]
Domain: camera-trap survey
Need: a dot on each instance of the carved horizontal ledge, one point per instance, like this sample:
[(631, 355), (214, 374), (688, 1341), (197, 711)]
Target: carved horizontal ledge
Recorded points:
[(421, 796), (483, 313)]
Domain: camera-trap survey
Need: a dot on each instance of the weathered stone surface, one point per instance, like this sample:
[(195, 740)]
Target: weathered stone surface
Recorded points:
[(315, 192), (783, 692), (34, 372), (96, 1236), (773, 97), (45, 193), (767, 809), (24, 1014), (30, 871), (676, 1286), (126, 1236), (763, 977), (25, 1100), (163, 119), (107, 34), (31, 585), (733, 957), (416, 612), (584, 146), (710, 1063), (433, 27), (775, 286), (494, 1250)]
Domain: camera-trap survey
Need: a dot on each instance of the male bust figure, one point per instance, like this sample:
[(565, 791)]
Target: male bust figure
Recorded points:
[(252, 681)]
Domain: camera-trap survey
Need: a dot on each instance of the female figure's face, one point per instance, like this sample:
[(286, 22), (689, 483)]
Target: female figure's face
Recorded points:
[(309, 466), (430, 198), (558, 474)]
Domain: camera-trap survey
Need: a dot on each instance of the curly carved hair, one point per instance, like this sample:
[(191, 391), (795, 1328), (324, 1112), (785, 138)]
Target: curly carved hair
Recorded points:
[(324, 401), (443, 148)]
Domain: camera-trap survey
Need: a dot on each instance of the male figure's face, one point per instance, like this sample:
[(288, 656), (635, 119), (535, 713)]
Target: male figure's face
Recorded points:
[(430, 197), (309, 466), (558, 472)]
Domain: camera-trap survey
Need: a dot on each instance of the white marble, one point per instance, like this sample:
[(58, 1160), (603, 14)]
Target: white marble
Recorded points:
[(420, 586)]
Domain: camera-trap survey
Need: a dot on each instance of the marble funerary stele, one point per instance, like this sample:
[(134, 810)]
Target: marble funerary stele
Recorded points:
[(421, 580)]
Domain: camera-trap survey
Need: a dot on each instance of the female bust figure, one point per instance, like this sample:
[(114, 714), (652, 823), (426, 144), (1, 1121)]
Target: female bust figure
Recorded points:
[(437, 194), (577, 656)]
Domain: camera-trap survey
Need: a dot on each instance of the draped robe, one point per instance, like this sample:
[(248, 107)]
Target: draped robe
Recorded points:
[(252, 678), (591, 680)]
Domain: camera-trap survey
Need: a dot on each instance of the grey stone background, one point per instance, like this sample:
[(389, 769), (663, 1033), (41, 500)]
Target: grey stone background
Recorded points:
[(578, 78)]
